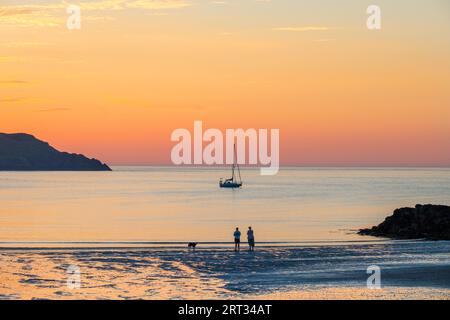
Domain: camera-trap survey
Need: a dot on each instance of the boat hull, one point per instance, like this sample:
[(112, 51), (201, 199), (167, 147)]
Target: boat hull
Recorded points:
[(230, 185)]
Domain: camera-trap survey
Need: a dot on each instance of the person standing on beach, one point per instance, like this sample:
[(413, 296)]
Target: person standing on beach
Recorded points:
[(237, 240), (251, 239)]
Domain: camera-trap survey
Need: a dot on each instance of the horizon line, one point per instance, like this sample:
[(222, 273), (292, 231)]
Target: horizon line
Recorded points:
[(447, 166)]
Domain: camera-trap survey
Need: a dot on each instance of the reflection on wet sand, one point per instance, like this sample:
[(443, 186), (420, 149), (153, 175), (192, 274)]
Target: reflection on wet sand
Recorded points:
[(38, 275), (410, 270)]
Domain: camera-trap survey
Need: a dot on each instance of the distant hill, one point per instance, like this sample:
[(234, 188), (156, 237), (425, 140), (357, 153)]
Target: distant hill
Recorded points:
[(23, 152)]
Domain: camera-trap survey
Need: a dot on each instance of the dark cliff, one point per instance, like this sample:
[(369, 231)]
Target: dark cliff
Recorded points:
[(421, 222), (23, 152)]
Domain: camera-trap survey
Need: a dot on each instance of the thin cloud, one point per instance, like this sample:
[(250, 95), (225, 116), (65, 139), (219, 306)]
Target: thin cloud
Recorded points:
[(14, 11), (158, 4), (20, 44), (302, 29), (9, 100), (10, 59), (53, 109), (53, 14), (324, 40), (31, 15), (13, 82)]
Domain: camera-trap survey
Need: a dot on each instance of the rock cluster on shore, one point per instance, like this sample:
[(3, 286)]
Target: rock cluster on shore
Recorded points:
[(422, 222), (21, 152)]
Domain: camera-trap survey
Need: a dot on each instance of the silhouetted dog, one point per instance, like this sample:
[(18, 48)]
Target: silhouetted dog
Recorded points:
[(192, 245)]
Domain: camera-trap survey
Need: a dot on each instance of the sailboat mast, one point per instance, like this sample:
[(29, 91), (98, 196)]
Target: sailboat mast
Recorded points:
[(234, 162), (239, 171), (237, 164)]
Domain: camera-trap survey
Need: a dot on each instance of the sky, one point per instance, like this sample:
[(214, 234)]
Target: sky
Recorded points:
[(341, 94)]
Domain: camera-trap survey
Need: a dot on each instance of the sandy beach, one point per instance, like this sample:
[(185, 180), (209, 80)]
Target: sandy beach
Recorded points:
[(409, 270)]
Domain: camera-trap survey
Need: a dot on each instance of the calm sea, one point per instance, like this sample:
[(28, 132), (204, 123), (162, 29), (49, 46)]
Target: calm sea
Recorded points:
[(167, 204)]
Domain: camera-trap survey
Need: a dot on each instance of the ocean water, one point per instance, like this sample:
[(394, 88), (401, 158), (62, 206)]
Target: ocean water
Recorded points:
[(127, 230), (157, 205)]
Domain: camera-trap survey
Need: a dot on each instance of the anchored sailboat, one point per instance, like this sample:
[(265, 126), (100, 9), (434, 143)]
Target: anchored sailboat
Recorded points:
[(233, 182)]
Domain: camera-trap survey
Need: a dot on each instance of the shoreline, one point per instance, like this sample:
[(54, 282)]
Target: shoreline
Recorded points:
[(178, 245)]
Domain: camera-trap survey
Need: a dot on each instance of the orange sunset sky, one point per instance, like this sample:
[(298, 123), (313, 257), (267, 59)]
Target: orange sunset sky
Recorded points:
[(136, 70)]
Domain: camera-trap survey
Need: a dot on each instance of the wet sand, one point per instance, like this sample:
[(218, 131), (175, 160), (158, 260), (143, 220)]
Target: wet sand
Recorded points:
[(410, 270)]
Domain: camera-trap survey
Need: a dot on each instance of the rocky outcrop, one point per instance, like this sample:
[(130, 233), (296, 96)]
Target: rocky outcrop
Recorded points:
[(422, 222), (21, 152)]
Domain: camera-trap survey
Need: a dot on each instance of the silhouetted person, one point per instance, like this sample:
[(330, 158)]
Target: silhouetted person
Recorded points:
[(237, 240), (251, 239)]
